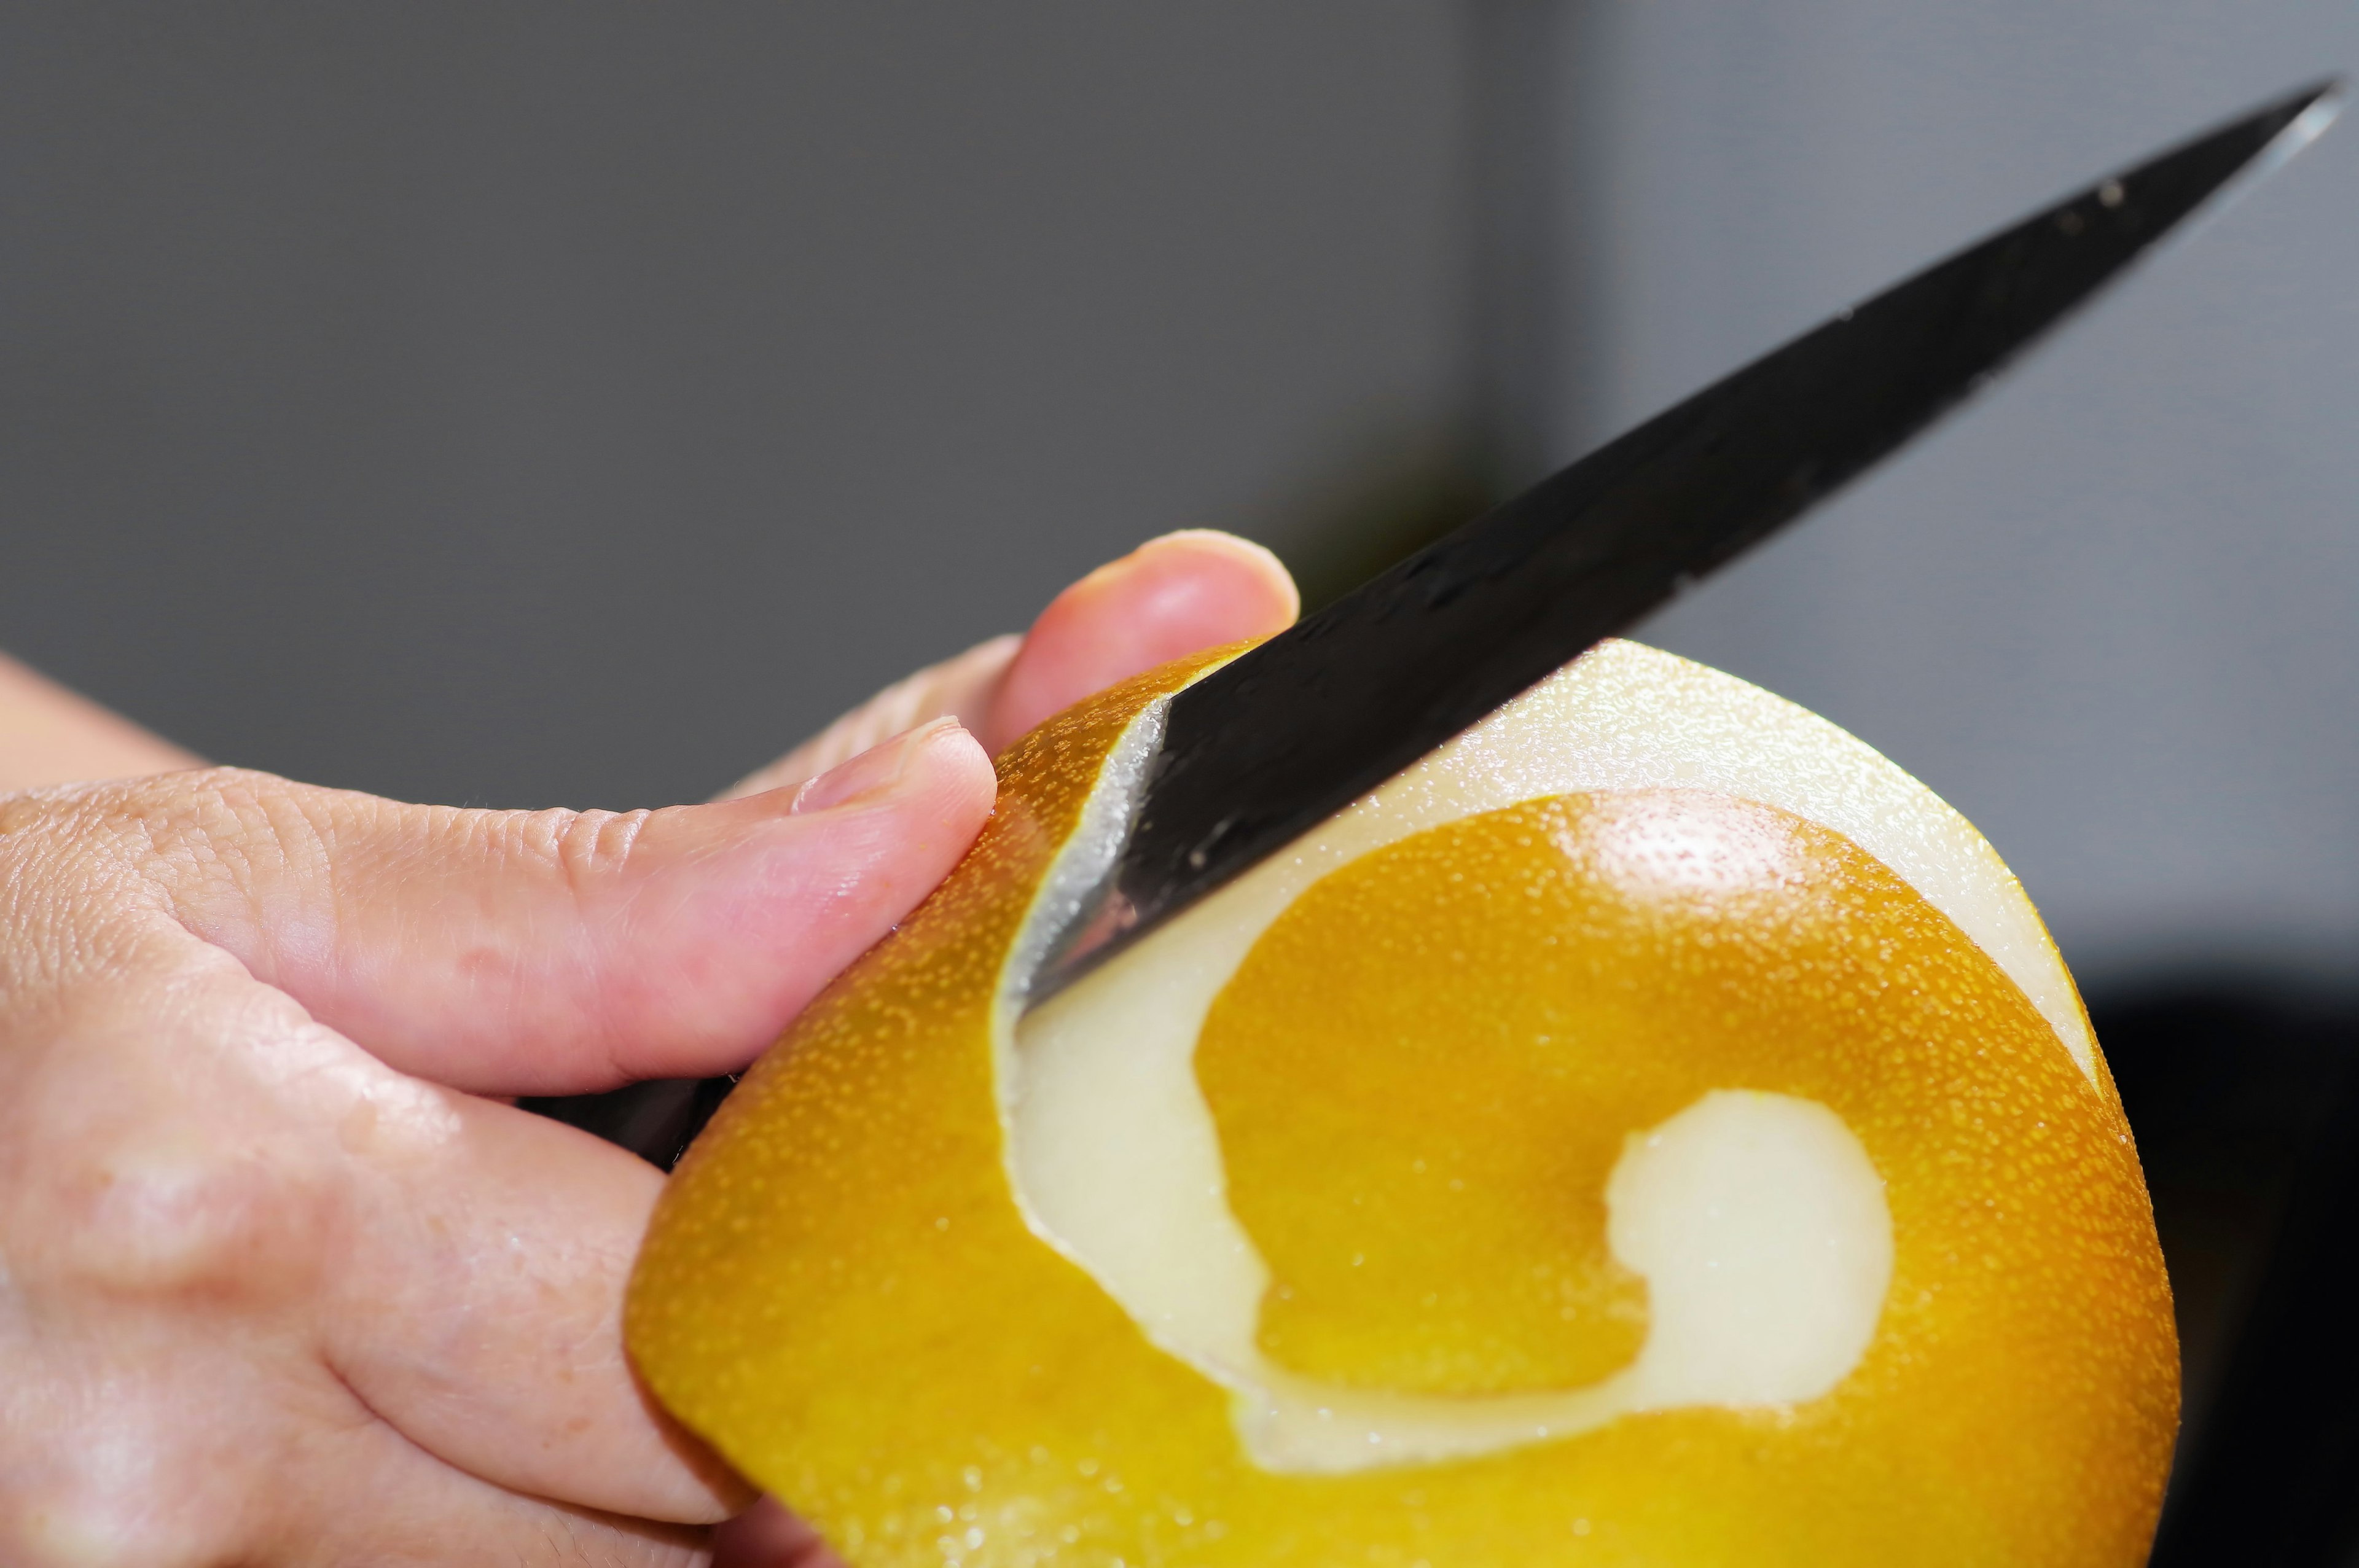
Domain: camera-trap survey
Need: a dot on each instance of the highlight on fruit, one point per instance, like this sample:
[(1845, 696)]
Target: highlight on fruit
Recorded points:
[(1654, 1128)]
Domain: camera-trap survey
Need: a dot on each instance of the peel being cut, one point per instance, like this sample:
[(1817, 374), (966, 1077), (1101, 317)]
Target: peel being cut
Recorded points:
[(1652, 1130)]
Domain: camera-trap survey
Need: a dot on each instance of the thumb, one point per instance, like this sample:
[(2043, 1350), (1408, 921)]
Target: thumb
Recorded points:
[(558, 952)]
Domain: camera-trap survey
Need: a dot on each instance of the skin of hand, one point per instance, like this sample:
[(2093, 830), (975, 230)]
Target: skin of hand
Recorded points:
[(282, 1278)]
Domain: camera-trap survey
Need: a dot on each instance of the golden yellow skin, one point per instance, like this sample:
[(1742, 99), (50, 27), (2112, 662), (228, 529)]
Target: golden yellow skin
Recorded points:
[(838, 1291)]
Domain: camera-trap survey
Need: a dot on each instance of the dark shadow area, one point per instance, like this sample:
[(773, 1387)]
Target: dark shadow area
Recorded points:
[(656, 1120), (2245, 1103)]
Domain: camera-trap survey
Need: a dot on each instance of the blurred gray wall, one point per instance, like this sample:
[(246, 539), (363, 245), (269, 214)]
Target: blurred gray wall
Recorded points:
[(532, 403), (2112, 613)]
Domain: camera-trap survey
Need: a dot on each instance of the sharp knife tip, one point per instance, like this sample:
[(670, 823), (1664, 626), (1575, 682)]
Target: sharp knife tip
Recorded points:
[(2308, 110), (2305, 114)]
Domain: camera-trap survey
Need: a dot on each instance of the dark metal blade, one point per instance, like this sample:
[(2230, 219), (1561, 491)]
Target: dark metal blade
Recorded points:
[(1264, 748)]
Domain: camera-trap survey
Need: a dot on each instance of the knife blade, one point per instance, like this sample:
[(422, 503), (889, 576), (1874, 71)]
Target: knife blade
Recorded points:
[(1271, 743), (1277, 740)]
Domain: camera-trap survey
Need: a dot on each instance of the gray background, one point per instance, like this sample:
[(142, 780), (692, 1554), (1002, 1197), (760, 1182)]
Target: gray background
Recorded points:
[(2110, 613), (528, 404), (525, 403)]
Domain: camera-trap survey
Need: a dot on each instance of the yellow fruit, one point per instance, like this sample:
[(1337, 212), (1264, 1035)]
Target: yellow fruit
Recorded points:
[(1654, 1129)]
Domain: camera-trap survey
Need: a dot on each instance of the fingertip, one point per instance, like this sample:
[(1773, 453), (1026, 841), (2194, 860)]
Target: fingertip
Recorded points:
[(951, 780), (936, 755), (944, 780), (764, 899), (1173, 596), (960, 687), (1258, 581)]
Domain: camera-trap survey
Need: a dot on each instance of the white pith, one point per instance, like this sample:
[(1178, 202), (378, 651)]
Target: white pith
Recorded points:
[(1757, 1219)]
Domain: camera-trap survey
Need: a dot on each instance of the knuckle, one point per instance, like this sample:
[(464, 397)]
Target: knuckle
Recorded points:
[(200, 799), (218, 798), (55, 844), (205, 828), (182, 1217), (593, 845), (176, 829), (202, 847)]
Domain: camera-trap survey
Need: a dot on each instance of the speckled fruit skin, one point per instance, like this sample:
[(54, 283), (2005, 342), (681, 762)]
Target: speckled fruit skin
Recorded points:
[(838, 1292)]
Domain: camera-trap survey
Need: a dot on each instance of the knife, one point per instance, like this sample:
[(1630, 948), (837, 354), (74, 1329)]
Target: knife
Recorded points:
[(1286, 735), (1271, 743)]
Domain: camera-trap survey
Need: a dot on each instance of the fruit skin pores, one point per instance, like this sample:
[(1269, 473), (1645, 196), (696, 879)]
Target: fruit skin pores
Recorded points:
[(1449, 1127)]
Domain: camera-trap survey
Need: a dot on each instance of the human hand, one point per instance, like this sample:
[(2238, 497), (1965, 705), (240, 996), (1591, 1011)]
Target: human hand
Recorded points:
[(279, 1283)]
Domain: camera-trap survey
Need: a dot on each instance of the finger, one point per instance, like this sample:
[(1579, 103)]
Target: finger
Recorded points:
[(561, 952), (335, 1486), (394, 1503), (479, 1313), (1170, 596), (959, 688)]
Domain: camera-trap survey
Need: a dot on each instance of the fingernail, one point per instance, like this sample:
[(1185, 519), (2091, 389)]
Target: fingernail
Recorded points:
[(874, 772)]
